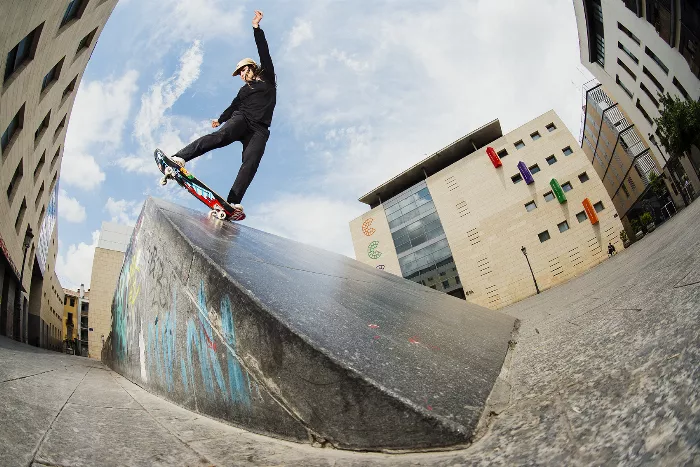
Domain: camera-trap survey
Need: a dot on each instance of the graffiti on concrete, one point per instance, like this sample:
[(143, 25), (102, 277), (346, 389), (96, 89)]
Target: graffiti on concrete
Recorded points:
[(201, 355)]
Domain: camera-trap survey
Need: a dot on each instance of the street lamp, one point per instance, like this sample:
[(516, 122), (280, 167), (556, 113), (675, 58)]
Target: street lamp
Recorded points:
[(28, 236), (528, 265)]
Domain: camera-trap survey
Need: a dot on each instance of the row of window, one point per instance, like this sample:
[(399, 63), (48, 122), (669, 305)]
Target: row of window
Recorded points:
[(520, 144), (23, 53), (564, 225), (646, 72), (551, 160), (549, 196)]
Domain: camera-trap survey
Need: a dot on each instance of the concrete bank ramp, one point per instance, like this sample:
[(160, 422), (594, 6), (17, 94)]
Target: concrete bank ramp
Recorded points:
[(296, 342)]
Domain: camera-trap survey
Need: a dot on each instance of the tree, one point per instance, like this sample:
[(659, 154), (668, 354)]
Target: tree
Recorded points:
[(678, 126), (657, 185)]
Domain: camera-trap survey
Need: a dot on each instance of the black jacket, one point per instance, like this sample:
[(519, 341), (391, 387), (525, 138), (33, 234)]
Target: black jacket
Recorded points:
[(256, 99)]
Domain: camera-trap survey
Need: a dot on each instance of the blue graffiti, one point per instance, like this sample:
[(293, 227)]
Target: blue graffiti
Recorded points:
[(237, 383), (202, 341), (161, 345)]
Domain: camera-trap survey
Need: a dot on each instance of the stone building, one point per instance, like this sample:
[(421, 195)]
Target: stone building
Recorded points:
[(45, 46)]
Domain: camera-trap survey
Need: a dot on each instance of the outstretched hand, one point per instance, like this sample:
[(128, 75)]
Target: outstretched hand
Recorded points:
[(257, 18), (214, 123)]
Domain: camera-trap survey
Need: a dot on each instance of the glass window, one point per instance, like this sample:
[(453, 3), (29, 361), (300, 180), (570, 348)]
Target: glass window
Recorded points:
[(531, 206), (566, 187), (653, 79), (502, 153), (445, 284), (563, 226), (598, 206), (517, 178), (628, 53), (656, 59), (549, 196), (551, 127), (535, 136), (534, 169), (583, 178), (624, 66), (567, 151), (519, 144), (551, 160), (22, 52), (628, 33), (624, 88), (581, 216), (543, 236), (72, 11)]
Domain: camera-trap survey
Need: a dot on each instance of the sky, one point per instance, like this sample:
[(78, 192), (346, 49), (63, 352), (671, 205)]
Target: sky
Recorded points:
[(365, 90)]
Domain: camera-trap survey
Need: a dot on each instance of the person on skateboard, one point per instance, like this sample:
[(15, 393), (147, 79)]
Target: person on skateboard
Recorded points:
[(247, 119)]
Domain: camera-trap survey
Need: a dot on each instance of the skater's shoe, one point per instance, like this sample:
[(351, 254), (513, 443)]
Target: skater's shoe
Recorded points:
[(238, 214), (178, 160)]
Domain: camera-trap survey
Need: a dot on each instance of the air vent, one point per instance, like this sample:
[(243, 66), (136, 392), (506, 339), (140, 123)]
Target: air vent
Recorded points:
[(632, 184), (462, 208), (492, 294), (575, 256), (451, 183), (594, 246), (473, 236), (610, 233), (484, 266), (555, 266)]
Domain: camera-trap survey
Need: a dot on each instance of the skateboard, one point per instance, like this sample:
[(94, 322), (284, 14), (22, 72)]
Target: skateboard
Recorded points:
[(220, 208)]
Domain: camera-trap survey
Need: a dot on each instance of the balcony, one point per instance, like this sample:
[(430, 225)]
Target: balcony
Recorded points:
[(627, 136)]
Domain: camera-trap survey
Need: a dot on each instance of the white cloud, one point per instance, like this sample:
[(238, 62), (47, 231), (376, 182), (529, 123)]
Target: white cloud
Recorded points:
[(69, 208), (96, 127), (314, 220), (189, 19), (153, 126), (100, 112), (75, 266), (420, 77), (81, 170), (123, 211), (300, 33)]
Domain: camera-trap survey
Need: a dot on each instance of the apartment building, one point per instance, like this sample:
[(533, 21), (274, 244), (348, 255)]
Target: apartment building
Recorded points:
[(106, 267), (45, 46), (637, 49), (492, 218)]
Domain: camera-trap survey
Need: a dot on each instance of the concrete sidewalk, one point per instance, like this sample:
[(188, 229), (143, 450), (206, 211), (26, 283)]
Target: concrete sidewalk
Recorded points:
[(606, 371)]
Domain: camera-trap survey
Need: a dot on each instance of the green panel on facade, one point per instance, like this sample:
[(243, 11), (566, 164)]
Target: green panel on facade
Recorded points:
[(558, 192)]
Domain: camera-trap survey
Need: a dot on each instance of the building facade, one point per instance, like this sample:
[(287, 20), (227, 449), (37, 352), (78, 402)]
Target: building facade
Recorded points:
[(106, 266), (637, 49), (76, 311), (458, 221), (45, 46)]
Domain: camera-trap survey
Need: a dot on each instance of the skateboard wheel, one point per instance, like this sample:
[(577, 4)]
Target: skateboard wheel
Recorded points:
[(164, 181), (168, 171), (221, 215)]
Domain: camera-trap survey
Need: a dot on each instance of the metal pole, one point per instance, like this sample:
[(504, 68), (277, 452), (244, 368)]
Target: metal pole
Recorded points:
[(529, 266)]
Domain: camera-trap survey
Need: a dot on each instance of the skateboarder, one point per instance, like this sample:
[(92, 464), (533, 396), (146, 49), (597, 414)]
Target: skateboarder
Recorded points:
[(247, 119)]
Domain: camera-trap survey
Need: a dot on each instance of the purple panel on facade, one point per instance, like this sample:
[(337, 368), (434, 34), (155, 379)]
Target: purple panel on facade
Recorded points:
[(525, 172)]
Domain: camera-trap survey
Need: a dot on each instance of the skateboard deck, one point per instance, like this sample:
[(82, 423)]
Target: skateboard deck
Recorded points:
[(220, 208)]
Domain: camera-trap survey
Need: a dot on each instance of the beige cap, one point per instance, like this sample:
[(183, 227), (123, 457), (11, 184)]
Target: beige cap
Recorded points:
[(242, 63)]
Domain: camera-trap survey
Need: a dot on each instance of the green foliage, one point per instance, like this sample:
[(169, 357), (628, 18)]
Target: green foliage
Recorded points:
[(636, 226), (646, 219), (678, 125), (657, 184), (623, 236)]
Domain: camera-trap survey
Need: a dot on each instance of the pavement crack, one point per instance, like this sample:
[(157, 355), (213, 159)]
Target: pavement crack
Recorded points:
[(28, 376), (38, 445), (157, 422)]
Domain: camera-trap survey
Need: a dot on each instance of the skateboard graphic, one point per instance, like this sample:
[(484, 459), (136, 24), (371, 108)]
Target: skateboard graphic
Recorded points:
[(218, 205)]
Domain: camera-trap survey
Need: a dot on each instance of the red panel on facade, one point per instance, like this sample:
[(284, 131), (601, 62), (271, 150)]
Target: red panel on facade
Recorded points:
[(590, 211), (495, 160)]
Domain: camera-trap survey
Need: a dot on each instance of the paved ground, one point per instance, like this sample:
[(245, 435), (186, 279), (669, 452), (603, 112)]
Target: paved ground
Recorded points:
[(606, 371)]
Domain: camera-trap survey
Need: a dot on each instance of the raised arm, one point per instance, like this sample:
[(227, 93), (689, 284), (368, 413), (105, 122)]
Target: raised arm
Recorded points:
[(263, 49)]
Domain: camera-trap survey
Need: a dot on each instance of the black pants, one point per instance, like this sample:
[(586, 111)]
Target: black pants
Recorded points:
[(237, 128)]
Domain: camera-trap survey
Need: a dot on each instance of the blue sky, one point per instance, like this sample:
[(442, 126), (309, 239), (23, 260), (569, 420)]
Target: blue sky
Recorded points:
[(365, 90)]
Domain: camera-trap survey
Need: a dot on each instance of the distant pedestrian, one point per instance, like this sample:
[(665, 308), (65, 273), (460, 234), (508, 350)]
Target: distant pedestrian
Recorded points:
[(611, 250)]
